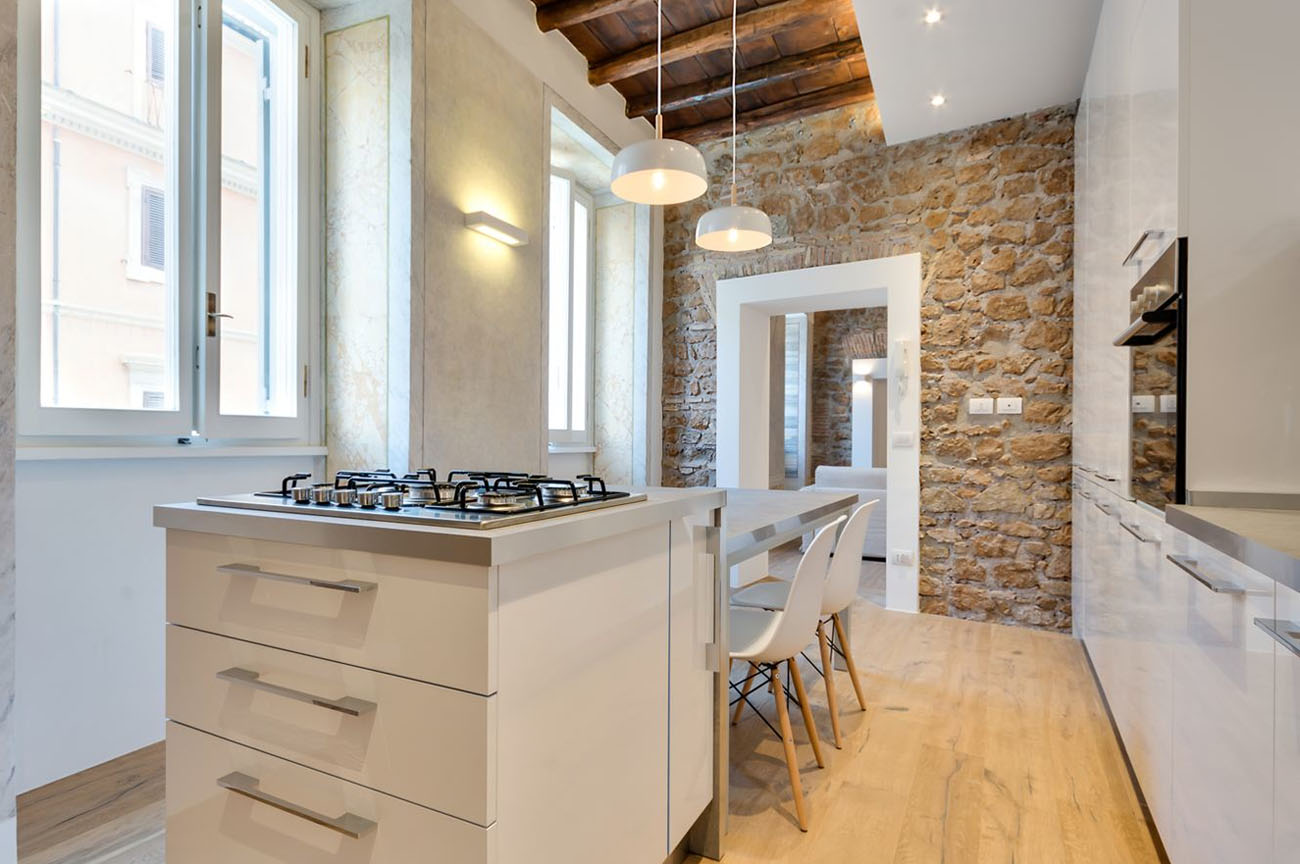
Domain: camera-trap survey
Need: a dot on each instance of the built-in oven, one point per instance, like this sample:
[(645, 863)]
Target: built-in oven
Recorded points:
[(1157, 341)]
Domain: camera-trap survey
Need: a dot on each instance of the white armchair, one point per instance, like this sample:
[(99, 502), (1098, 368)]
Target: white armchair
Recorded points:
[(869, 483)]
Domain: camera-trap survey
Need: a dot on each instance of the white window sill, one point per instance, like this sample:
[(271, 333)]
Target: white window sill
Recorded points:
[(31, 453), (570, 448)]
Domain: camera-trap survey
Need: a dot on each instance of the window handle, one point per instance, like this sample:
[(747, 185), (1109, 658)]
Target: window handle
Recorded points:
[(214, 314)]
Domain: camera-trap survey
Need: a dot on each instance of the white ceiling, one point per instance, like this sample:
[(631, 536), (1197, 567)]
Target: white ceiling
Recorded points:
[(989, 58)]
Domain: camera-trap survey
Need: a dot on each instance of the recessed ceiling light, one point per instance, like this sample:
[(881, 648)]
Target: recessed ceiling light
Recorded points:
[(937, 99), (934, 16)]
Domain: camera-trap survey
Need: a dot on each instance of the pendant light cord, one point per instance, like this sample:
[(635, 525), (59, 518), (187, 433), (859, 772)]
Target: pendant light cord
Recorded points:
[(659, 74), (733, 101)]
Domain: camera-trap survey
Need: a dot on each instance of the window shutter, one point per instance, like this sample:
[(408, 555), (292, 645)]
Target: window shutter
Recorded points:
[(156, 54), (153, 234)]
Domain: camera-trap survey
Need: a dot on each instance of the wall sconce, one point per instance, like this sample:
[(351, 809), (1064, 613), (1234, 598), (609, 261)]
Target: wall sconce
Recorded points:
[(498, 229), (901, 364)]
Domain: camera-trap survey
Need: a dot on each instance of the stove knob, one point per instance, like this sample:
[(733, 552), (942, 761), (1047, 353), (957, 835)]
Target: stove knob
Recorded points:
[(345, 497), (367, 498), (391, 500), (321, 494), (301, 494)]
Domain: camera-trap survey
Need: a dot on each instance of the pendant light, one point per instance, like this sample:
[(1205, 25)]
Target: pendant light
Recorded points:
[(661, 170), (733, 228)]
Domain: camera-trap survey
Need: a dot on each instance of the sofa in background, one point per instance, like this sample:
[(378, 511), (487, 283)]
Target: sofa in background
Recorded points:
[(869, 483)]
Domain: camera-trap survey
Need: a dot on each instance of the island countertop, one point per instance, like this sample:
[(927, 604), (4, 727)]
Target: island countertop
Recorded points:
[(437, 542)]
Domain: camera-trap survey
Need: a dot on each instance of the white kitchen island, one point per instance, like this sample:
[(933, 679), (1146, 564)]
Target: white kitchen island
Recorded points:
[(371, 692)]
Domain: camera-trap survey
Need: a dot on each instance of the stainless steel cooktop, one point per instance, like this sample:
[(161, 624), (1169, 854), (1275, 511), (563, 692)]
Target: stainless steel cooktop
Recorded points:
[(463, 499)]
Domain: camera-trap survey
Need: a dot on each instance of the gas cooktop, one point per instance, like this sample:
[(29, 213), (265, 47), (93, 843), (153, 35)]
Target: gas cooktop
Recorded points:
[(462, 499)]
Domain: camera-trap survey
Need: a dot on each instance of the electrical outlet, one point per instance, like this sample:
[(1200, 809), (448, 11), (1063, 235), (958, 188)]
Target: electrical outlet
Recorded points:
[(1009, 404), (903, 439), (902, 557), (1168, 404), (1144, 404), (980, 405)]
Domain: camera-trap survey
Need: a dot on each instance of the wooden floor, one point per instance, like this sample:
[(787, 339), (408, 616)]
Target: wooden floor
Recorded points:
[(982, 743)]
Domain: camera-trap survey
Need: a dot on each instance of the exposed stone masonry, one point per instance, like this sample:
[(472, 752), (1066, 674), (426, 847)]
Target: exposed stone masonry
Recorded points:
[(838, 338), (990, 209)]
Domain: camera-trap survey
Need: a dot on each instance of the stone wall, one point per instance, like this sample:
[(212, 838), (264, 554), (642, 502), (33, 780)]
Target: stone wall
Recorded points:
[(838, 338), (990, 209)]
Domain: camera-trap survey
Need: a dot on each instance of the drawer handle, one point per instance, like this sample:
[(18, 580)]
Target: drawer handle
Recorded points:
[(1152, 233), (1103, 508), (1132, 529), (1281, 632), (348, 585), (345, 705), (1188, 566), (349, 824)]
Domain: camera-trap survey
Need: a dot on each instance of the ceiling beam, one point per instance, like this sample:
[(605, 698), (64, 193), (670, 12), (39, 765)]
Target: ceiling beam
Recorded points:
[(566, 13), (855, 91), (714, 36), (718, 87)]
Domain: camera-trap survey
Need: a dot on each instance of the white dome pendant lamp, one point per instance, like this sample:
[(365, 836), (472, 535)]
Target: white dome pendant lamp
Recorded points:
[(661, 170), (734, 228)]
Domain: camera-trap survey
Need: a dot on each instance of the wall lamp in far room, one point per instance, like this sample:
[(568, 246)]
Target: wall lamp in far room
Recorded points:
[(498, 229)]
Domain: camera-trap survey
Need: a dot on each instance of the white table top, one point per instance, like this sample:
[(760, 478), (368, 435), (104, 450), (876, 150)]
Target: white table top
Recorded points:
[(761, 519)]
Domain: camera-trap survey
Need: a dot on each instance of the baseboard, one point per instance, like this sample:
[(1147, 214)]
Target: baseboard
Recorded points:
[(1128, 763)]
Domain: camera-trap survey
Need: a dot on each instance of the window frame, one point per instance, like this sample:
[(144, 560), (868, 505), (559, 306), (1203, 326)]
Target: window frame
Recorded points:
[(197, 127), (570, 437)]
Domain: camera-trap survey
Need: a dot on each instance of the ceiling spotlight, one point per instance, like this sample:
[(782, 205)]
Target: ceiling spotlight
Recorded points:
[(937, 99), (934, 16)]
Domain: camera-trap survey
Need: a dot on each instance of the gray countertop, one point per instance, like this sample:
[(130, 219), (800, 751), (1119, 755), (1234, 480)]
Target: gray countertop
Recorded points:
[(1264, 540), (441, 543), (761, 519)]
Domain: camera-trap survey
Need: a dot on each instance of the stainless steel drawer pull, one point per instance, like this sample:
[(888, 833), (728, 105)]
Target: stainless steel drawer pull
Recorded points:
[(1150, 233), (1189, 566), (1285, 633), (344, 705), (348, 585), (1132, 529), (349, 824), (1103, 508)]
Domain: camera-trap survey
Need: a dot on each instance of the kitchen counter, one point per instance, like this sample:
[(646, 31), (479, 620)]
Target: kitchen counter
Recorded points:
[(441, 543), (1265, 540)]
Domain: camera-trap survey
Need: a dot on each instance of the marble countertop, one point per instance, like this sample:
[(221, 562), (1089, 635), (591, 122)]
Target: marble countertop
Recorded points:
[(1264, 540), (441, 543)]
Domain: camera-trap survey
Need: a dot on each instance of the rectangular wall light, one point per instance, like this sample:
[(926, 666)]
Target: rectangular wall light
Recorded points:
[(498, 229)]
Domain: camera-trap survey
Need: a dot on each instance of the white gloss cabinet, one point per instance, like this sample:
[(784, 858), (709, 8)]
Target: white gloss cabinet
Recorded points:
[(1223, 709)]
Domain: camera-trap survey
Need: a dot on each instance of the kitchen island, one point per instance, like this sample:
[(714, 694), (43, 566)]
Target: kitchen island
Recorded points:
[(377, 691)]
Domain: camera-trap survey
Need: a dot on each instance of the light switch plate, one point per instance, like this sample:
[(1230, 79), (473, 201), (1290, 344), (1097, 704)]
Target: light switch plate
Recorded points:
[(1010, 404), (1144, 404), (903, 439), (1168, 403), (902, 557), (981, 405)]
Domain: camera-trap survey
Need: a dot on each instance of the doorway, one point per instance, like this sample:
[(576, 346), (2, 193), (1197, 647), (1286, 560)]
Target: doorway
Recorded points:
[(745, 307)]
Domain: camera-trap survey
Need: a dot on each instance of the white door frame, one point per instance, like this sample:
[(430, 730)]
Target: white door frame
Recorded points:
[(745, 304)]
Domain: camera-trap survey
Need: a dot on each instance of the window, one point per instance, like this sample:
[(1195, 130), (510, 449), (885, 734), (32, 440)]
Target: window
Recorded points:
[(153, 233), (570, 316), (186, 304)]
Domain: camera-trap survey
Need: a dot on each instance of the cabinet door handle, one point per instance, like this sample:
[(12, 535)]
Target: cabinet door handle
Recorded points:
[(1281, 632), (1103, 508), (349, 824), (1188, 566), (253, 680), (1147, 234), (1132, 529), (349, 586)]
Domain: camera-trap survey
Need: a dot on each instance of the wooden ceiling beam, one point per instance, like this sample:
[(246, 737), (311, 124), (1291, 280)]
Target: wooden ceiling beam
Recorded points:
[(719, 87), (714, 36), (566, 13), (855, 91)]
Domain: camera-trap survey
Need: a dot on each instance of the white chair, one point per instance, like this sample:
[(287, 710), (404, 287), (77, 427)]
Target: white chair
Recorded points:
[(840, 590), (765, 639)]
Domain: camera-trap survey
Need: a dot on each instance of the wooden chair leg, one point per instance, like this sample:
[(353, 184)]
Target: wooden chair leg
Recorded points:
[(848, 660), (828, 667), (744, 691), (787, 738), (806, 708)]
